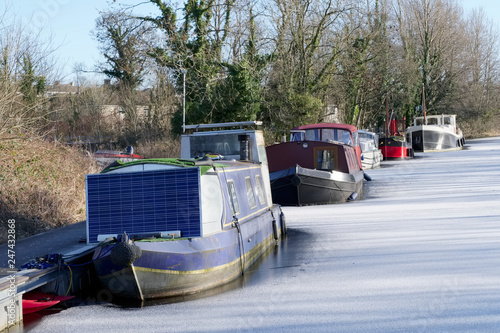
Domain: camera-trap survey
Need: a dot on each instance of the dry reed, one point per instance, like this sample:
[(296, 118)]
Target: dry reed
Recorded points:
[(42, 185)]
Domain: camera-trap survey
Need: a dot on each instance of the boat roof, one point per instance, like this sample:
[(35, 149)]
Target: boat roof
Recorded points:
[(436, 116), (346, 127), (239, 124), (203, 164)]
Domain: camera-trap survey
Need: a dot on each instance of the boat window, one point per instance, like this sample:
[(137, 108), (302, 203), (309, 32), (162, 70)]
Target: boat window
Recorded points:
[(224, 144), (355, 139), (369, 139), (432, 121), (419, 121), (325, 159), (250, 196), (260, 189), (297, 135), (336, 135), (235, 207), (329, 135), (365, 136), (312, 135), (447, 121), (345, 137), (262, 154)]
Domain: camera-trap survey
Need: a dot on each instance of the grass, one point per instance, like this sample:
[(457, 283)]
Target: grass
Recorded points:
[(481, 127), (159, 148), (42, 185)]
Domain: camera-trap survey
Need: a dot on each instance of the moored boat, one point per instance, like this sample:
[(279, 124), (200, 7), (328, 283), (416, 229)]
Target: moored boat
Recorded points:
[(106, 157), (395, 144), (321, 164), (436, 133), (177, 226), (36, 301), (368, 141)]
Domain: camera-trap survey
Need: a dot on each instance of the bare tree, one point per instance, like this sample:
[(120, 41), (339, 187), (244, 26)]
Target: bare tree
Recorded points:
[(365, 64), (163, 103), (307, 45), (27, 63), (480, 84), (432, 36), (124, 42)]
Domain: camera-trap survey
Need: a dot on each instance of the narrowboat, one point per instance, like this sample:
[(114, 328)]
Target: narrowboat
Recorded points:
[(171, 227), (321, 164), (436, 133), (371, 155)]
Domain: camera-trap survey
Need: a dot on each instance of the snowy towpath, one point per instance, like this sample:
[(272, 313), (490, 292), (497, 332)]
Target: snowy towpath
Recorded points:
[(420, 253)]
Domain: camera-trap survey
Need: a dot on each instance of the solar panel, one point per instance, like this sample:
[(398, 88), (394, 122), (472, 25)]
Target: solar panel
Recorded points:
[(144, 202)]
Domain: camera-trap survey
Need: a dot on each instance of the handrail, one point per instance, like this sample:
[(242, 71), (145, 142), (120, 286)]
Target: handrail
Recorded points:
[(232, 124)]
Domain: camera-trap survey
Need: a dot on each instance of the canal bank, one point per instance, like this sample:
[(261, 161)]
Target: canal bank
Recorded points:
[(420, 253), (57, 262)]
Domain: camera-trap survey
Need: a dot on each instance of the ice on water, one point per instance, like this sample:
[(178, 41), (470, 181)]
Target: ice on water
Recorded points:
[(420, 253)]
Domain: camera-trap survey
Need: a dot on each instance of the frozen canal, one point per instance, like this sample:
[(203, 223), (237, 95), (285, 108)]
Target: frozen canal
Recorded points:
[(421, 253)]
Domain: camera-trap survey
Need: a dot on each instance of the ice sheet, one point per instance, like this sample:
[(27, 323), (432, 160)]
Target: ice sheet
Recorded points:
[(420, 253)]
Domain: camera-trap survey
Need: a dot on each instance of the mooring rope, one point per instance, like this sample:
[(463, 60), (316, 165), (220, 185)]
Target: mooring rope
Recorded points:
[(241, 246)]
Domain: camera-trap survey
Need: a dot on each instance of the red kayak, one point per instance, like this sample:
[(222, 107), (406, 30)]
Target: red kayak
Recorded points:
[(36, 301)]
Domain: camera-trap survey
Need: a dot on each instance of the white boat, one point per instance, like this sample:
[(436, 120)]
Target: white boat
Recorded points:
[(371, 155), (436, 133)]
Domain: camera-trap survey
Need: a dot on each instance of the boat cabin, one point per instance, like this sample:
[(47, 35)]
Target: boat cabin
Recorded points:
[(321, 164), (436, 133), (368, 140), (236, 144), (322, 146), (440, 120), (221, 176), (332, 133)]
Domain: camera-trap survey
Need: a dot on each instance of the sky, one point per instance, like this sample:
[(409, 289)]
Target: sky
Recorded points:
[(71, 21)]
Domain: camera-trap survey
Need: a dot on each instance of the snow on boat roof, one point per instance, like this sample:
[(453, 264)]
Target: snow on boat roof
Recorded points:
[(346, 127)]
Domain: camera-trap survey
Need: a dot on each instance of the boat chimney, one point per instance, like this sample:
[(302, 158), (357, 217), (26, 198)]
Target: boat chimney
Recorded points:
[(244, 140)]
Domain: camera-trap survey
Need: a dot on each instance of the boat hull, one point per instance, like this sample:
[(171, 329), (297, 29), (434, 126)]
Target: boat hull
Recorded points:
[(395, 149), (371, 159), (299, 186), (186, 266), (427, 140)]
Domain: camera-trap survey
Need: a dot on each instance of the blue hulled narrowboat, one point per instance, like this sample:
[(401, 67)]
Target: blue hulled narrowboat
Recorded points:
[(171, 227)]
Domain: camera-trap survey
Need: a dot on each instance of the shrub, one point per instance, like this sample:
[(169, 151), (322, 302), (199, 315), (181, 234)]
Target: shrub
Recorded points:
[(42, 184)]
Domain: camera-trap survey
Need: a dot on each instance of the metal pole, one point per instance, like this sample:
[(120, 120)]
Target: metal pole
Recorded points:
[(387, 131), (423, 103), (184, 102)]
